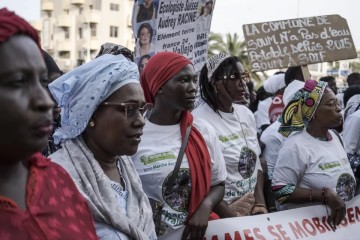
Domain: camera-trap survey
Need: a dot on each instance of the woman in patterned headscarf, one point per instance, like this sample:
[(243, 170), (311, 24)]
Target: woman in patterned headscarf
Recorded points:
[(169, 82), (102, 105), (312, 166), (38, 199)]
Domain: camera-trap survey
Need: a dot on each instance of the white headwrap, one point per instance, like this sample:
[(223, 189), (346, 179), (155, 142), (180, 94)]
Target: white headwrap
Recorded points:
[(274, 83), (291, 89), (81, 91), (214, 62)]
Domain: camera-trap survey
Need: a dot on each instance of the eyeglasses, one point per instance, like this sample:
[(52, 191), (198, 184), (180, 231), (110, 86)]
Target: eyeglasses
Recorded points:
[(245, 77), (131, 109)]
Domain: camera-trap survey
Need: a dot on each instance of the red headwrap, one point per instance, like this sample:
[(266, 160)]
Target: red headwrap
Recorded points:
[(161, 68), (11, 24), (276, 108)]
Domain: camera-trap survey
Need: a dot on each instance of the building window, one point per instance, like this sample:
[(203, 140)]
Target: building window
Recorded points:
[(114, 7), (64, 54), (67, 33), (93, 29), (81, 9), (113, 31), (80, 33)]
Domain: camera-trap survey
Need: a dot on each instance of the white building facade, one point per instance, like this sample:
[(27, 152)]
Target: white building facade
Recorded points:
[(72, 31)]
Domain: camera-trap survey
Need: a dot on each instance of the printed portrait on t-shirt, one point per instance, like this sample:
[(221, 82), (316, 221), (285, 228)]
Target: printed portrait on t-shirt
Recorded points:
[(178, 195), (247, 162), (345, 187)]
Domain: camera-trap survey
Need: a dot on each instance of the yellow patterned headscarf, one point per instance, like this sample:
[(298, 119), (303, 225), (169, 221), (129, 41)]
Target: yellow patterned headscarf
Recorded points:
[(300, 110)]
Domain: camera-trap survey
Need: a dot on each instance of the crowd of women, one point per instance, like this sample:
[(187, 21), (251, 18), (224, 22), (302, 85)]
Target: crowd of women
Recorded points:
[(136, 157)]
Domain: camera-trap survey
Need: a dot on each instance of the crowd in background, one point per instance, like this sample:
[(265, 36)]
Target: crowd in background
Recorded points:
[(102, 152)]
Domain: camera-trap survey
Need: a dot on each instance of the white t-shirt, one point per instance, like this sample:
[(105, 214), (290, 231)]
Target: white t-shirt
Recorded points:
[(273, 141), (241, 156), (307, 162), (262, 113), (351, 133), (155, 160)]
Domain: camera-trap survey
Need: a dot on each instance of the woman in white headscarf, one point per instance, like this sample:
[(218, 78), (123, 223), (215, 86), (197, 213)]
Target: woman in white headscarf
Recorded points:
[(102, 104)]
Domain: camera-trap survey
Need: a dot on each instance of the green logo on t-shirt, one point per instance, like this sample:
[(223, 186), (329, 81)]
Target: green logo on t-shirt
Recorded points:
[(231, 137), (326, 166), (157, 157)]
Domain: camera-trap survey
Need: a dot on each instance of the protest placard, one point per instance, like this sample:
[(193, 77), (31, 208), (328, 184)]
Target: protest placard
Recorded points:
[(180, 26), (295, 42), (301, 223)]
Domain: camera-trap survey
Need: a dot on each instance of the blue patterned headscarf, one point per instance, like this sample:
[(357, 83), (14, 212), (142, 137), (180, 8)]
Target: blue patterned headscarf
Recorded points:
[(81, 91)]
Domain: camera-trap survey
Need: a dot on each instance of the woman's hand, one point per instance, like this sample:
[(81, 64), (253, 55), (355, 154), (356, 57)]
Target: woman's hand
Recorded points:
[(337, 206), (243, 205), (257, 209), (197, 224)]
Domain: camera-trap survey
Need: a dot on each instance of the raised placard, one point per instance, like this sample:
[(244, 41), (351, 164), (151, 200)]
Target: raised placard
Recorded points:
[(181, 26), (295, 42)]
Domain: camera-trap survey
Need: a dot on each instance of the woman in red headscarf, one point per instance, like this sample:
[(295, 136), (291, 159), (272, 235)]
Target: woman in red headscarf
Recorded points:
[(169, 82), (38, 199)]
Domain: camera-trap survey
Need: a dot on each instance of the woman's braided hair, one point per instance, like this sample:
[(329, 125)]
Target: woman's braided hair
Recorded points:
[(207, 91)]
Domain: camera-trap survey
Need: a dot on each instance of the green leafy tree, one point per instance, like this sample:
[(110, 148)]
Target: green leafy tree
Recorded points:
[(234, 46)]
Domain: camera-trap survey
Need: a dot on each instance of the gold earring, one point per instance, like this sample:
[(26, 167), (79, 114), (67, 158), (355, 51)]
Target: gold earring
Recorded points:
[(92, 123)]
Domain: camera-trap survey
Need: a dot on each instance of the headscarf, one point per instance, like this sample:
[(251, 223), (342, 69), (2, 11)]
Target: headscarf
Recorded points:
[(78, 160), (274, 83), (352, 105), (81, 91), (276, 108), (300, 110), (114, 49), (291, 89), (11, 24), (214, 62), (161, 68)]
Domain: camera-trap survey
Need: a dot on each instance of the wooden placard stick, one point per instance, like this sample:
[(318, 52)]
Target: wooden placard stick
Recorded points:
[(305, 72)]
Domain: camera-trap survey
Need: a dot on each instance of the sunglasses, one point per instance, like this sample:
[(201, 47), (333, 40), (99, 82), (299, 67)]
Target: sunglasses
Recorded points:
[(131, 109), (245, 77)]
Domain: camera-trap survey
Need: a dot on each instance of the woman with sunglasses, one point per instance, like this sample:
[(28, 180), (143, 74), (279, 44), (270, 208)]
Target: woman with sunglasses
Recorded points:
[(102, 104), (223, 89), (169, 82)]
